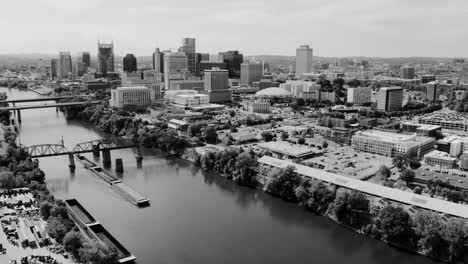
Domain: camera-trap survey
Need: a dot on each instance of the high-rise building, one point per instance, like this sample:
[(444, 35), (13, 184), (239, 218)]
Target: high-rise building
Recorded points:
[(407, 72), (54, 68), (158, 61), (64, 64), (303, 60), (359, 95), (251, 72), (390, 99), (105, 58), (175, 67), (207, 65), (217, 85), (233, 60), (199, 57), (188, 47), (147, 78), (432, 91), (129, 63), (427, 78), (83, 62), (130, 97)]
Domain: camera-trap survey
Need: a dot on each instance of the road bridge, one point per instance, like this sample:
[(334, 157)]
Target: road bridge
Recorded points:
[(23, 107), (55, 98)]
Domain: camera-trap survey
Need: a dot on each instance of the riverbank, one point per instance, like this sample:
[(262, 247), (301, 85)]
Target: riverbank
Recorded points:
[(382, 220)]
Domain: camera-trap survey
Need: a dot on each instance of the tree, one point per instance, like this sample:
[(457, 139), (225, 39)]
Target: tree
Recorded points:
[(395, 225), (429, 227), (210, 135), (301, 141), (283, 183), (408, 176), (232, 113), (455, 234), (384, 172), (400, 162), (267, 136), (57, 228), (417, 190), (284, 135), (233, 129), (95, 253), (193, 130), (72, 242), (324, 144), (351, 208), (44, 209)]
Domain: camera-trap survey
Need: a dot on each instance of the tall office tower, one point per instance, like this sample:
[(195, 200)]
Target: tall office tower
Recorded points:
[(129, 63), (390, 98), (175, 67), (233, 60), (251, 72), (217, 85), (54, 68), (199, 57), (105, 58), (85, 58), (407, 72), (303, 60), (83, 61), (64, 64), (359, 95), (158, 61), (432, 91), (188, 47)]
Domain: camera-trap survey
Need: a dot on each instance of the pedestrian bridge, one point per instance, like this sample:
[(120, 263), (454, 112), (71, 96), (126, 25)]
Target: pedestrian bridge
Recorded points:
[(48, 150)]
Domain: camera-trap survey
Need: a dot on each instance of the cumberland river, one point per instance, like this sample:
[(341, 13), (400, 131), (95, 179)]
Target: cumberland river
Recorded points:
[(194, 217)]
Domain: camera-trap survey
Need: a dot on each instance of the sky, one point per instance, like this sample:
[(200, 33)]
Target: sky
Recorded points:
[(333, 28)]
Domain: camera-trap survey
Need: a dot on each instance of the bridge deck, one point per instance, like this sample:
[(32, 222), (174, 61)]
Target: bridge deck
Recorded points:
[(79, 151), (37, 99), (12, 108)]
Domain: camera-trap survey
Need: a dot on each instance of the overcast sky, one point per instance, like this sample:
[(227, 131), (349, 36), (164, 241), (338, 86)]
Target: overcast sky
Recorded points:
[(387, 28)]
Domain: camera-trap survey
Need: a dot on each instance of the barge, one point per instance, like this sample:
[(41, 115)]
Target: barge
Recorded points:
[(95, 231), (125, 190)]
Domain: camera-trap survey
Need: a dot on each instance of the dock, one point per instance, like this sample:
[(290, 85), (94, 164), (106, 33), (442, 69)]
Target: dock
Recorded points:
[(95, 231), (123, 189)]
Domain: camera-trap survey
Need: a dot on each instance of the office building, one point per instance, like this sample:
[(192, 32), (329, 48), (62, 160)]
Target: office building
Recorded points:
[(260, 106), (175, 67), (83, 62), (54, 68), (407, 72), (188, 47), (105, 58), (216, 57), (303, 60), (216, 85), (187, 85), (130, 97), (440, 159), (432, 91), (427, 78), (129, 63), (390, 99), (65, 64), (189, 100), (449, 120), (147, 78), (158, 61), (233, 60), (208, 65), (251, 72), (391, 144), (359, 95)]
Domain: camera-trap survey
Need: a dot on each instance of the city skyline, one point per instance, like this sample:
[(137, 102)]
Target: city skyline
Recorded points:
[(336, 29)]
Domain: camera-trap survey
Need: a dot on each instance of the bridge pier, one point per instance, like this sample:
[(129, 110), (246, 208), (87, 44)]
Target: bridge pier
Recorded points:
[(106, 157), (19, 116), (71, 159), (119, 165), (96, 152), (139, 154)]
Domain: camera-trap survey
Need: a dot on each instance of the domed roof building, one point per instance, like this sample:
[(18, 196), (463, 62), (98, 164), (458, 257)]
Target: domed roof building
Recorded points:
[(273, 92)]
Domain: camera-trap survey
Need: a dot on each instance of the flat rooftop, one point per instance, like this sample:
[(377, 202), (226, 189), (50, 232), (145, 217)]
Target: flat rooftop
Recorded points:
[(439, 155), (394, 138), (287, 148), (421, 201)]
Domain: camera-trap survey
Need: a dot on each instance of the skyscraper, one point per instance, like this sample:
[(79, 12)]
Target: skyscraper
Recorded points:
[(217, 85), (233, 60), (251, 72), (407, 72), (158, 61), (303, 60), (64, 64), (188, 47), (54, 68), (390, 99), (129, 63), (432, 91), (175, 67), (83, 61), (105, 58)]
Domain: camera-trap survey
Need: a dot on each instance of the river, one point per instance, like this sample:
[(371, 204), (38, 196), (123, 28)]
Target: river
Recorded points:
[(194, 217)]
